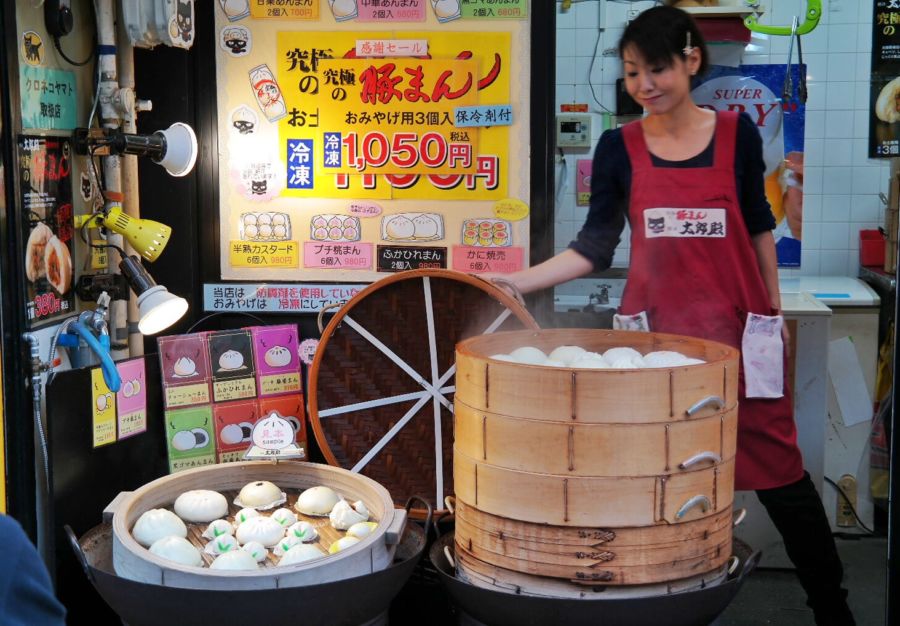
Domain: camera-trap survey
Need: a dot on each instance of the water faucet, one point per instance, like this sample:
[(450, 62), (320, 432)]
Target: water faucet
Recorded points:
[(91, 326), (603, 296)]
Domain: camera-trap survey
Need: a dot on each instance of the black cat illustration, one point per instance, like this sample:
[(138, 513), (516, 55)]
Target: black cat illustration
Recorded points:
[(656, 225), (184, 18), (32, 47), (259, 187)]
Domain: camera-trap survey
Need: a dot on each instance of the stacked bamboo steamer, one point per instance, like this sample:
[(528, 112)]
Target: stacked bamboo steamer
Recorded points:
[(593, 477)]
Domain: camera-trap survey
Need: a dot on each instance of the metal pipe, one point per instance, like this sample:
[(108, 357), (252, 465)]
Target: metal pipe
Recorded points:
[(110, 117), (130, 189), (37, 368)]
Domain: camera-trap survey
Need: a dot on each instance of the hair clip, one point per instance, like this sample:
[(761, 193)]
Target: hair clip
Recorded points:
[(688, 48)]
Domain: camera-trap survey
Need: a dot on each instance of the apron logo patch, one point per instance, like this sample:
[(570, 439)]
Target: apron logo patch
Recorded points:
[(665, 222)]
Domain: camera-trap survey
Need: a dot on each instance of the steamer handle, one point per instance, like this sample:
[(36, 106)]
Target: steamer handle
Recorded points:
[(79, 553), (700, 500), (705, 402), (700, 457), (739, 516), (322, 311), (428, 515), (509, 286), (749, 565)]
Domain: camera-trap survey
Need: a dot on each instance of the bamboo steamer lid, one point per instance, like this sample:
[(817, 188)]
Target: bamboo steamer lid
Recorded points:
[(381, 385)]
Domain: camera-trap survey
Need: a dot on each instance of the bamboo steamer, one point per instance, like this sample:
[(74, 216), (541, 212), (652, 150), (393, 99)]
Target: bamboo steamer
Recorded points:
[(596, 396), (610, 476), (593, 449), (594, 501), (374, 553), (623, 556), (489, 576)]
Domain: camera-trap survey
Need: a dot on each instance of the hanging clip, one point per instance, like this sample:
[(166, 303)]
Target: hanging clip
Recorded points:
[(813, 14)]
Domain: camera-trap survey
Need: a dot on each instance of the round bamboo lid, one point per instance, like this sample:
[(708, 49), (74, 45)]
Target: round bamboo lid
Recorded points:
[(381, 384)]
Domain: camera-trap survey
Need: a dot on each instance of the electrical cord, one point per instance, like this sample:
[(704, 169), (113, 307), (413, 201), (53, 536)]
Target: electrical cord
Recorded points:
[(218, 313), (850, 504), (70, 61), (591, 72)]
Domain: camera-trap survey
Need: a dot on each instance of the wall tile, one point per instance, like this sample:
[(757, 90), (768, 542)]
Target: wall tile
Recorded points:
[(565, 20), (867, 180), (812, 232), (585, 41), (862, 96), (842, 37), (809, 262), (812, 174), (836, 152), (842, 11), (837, 180), (565, 71), (815, 124), (565, 44), (834, 263), (834, 236), (864, 36), (841, 67), (839, 124), (865, 207), (839, 95), (836, 208), (812, 207)]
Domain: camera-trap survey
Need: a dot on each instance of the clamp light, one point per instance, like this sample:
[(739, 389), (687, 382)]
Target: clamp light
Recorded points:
[(147, 237), (158, 309), (174, 148)]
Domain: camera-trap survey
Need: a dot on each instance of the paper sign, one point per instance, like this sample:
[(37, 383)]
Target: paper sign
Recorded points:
[(379, 11), (573, 108), (103, 409), (273, 437), (48, 98), (491, 9), (308, 350), (511, 209), (293, 10), (483, 115), (276, 297), (233, 366), (184, 362), (391, 47), (337, 256), (99, 256), (290, 408), (131, 399), (234, 425), (273, 255), (583, 182), (474, 260), (845, 373), (186, 395), (277, 359), (190, 439)]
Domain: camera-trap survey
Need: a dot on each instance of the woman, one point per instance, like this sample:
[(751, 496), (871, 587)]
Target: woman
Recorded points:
[(690, 181)]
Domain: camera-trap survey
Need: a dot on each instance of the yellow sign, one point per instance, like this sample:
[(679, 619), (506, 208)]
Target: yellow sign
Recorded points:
[(103, 408), (234, 389), (265, 255), (285, 9), (385, 126), (279, 383), (511, 209), (186, 395)]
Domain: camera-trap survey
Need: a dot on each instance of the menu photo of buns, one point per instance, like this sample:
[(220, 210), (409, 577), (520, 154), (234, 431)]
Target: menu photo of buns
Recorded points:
[(46, 257)]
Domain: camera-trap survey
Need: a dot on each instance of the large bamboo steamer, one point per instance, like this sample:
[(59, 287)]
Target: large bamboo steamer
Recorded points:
[(374, 553), (594, 449), (605, 396), (488, 576), (562, 500), (640, 453), (618, 556)]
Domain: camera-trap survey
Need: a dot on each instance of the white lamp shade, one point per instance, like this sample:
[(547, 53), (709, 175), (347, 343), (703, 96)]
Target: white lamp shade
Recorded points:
[(181, 149), (159, 309)]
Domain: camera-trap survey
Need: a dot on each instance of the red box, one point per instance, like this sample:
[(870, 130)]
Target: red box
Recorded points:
[(871, 248)]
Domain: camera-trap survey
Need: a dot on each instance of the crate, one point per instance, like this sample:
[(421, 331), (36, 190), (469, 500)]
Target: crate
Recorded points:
[(871, 248)]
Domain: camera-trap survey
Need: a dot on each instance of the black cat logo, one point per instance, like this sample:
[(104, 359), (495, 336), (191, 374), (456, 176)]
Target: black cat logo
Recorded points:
[(33, 47), (184, 18), (259, 187), (86, 188), (656, 225), (235, 39)]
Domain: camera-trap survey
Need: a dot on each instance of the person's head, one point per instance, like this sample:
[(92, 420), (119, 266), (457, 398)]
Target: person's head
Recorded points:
[(661, 50)]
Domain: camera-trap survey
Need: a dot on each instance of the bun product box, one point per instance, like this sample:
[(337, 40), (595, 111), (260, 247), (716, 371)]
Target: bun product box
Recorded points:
[(217, 385)]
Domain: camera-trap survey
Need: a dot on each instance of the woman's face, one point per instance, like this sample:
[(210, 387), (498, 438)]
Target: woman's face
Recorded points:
[(656, 87)]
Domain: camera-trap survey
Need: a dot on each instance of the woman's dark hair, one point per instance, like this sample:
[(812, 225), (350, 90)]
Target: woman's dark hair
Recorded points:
[(661, 33)]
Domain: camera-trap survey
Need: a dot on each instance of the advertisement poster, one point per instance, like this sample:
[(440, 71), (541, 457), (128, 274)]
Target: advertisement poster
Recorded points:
[(758, 91), (370, 141), (45, 172), (884, 109)]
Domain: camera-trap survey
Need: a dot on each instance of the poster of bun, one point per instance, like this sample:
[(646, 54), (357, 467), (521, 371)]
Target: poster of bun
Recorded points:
[(45, 174), (884, 102)]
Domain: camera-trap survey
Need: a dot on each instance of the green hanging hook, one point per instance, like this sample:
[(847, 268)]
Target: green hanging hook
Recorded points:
[(813, 14)]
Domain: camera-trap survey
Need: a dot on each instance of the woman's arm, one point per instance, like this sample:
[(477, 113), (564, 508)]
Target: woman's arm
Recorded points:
[(563, 267)]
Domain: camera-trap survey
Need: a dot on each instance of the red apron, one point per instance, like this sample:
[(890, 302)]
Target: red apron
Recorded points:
[(694, 271)]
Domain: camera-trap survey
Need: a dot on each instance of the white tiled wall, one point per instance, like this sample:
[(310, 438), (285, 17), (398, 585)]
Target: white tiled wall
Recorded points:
[(841, 186)]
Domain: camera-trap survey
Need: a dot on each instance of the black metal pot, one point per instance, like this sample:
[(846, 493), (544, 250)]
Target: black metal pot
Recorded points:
[(499, 608), (355, 601)]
